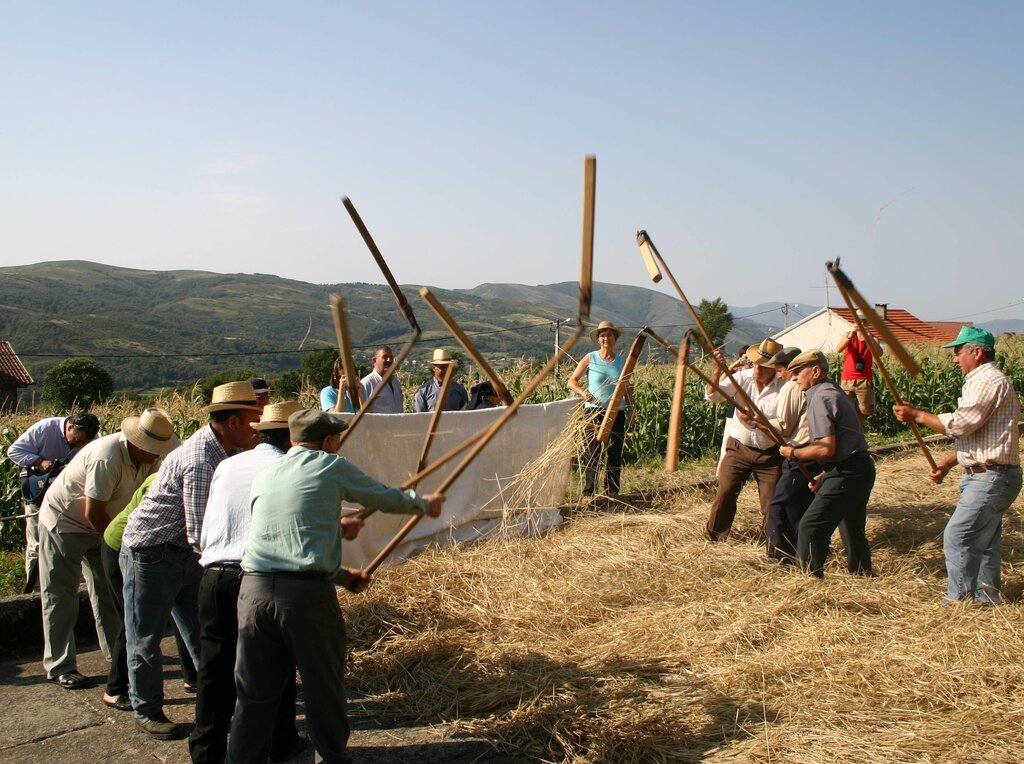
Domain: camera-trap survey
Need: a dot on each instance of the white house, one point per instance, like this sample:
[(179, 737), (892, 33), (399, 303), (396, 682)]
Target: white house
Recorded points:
[(823, 330)]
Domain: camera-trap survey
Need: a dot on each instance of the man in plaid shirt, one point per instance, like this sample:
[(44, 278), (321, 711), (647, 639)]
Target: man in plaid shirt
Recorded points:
[(984, 428), (159, 549)]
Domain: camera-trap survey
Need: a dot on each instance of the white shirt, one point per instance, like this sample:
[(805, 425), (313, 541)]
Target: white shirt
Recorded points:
[(766, 400), (390, 399), (228, 516)]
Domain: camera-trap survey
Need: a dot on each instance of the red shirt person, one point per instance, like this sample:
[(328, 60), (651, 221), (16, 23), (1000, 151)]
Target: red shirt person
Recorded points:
[(857, 377)]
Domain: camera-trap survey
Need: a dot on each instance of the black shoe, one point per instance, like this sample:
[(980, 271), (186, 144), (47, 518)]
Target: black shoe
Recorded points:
[(121, 702), (158, 726), (300, 745), (72, 680)]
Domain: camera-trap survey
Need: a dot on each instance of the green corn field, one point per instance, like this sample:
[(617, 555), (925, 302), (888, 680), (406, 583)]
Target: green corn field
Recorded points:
[(936, 389)]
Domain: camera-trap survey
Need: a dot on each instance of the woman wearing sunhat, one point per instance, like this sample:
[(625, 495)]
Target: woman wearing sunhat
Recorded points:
[(602, 367)]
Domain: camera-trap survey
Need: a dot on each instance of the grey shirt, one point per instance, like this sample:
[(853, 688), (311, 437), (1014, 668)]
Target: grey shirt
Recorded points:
[(831, 413)]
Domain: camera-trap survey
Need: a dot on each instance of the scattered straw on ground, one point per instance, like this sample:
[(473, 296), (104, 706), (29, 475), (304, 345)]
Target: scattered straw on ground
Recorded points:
[(625, 637)]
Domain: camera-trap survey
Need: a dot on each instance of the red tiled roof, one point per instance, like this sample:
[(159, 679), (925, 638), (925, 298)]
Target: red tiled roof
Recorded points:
[(12, 371), (909, 329)]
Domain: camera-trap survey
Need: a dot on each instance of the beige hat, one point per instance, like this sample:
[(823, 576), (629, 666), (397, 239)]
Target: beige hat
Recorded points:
[(808, 358), (275, 416), (233, 395), (441, 357), (153, 432), (762, 354), (601, 327)]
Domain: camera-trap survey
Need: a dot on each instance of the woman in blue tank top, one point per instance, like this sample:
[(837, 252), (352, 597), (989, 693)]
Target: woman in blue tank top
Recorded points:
[(603, 367)]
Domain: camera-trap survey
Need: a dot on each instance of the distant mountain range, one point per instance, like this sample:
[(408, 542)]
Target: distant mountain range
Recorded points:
[(162, 328)]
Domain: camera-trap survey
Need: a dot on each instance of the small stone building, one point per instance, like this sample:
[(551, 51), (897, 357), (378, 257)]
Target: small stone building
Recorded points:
[(13, 375)]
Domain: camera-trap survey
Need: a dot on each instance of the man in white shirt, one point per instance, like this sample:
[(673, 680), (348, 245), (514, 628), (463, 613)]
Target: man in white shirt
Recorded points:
[(748, 450), (225, 532), (390, 399), (95, 487)]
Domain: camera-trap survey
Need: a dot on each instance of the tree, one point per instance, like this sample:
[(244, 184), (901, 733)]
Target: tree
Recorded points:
[(717, 319), (77, 383)]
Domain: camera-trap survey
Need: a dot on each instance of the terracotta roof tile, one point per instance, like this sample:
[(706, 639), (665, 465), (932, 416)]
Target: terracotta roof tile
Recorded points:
[(909, 329), (12, 371)]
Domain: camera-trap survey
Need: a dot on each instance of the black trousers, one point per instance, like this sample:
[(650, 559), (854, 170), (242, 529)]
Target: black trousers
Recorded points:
[(841, 501), (285, 617), (592, 454), (215, 701), (792, 498), (117, 677)]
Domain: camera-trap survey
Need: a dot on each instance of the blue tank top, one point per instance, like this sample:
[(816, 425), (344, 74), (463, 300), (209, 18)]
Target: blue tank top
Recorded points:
[(602, 376)]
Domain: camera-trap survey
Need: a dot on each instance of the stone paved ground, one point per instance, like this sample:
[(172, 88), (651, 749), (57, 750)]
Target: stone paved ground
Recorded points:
[(41, 723)]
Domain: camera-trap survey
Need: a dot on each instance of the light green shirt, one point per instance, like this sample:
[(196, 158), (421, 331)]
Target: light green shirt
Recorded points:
[(112, 535), (296, 512)]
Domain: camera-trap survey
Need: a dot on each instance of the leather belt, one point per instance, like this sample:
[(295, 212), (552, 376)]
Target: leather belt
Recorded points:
[(295, 575), (979, 468), (224, 566)]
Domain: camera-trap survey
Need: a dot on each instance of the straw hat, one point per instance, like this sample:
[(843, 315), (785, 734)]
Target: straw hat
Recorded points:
[(153, 432), (441, 357), (762, 354), (275, 416), (602, 326), (233, 395)]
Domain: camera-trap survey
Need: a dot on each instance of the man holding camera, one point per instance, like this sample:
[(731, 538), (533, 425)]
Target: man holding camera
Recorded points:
[(857, 377)]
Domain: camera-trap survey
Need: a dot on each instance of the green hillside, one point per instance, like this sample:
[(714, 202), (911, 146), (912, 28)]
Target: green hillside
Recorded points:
[(160, 328)]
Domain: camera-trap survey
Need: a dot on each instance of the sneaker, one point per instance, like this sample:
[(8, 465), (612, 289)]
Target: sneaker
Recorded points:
[(300, 745), (158, 726)]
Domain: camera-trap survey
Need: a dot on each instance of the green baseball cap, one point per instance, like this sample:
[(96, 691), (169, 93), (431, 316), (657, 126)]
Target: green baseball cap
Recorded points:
[(974, 336)]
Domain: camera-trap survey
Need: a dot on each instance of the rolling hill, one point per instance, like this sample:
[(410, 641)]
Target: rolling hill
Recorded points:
[(158, 328)]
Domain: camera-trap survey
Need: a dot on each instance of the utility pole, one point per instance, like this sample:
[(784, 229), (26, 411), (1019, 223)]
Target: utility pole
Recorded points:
[(557, 329), (785, 313)]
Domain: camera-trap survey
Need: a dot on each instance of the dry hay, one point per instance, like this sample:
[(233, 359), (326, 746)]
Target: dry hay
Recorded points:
[(628, 638)]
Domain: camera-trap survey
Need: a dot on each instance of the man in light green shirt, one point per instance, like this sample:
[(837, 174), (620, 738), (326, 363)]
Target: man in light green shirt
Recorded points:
[(287, 605)]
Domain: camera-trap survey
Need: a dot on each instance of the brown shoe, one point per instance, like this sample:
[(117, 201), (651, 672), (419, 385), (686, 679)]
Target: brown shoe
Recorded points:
[(158, 726)]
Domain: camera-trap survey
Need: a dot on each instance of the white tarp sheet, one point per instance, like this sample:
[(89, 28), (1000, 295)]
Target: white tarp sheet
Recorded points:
[(388, 446)]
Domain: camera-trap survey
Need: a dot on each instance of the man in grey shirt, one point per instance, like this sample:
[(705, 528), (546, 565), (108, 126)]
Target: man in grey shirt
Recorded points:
[(844, 486)]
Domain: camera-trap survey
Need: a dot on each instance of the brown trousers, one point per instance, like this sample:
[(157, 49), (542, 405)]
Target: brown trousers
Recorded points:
[(738, 464)]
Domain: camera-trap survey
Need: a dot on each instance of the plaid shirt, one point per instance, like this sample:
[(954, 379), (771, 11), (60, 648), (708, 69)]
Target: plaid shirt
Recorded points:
[(984, 424), (172, 511)]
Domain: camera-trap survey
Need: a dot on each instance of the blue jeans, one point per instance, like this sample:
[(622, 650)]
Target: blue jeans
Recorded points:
[(160, 582), (972, 537)]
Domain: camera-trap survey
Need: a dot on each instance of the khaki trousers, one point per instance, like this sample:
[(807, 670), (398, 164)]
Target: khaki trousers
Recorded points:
[(739, 463)]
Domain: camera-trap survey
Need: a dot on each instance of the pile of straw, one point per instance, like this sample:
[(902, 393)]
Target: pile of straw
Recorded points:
[(625, 637)]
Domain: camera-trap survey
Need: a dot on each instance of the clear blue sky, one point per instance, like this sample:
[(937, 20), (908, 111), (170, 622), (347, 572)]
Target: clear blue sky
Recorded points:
[(753, 141)]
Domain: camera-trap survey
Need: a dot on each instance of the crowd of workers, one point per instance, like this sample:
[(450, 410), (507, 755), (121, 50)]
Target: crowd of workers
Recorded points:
[(235, 535)]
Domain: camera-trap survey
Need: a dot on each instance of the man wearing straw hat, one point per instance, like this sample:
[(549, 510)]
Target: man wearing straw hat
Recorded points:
[(288, 606), (225, 532), (158, 549), (96, 485), (843, 487), (986, 437), (426, 395), (748, 451)]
